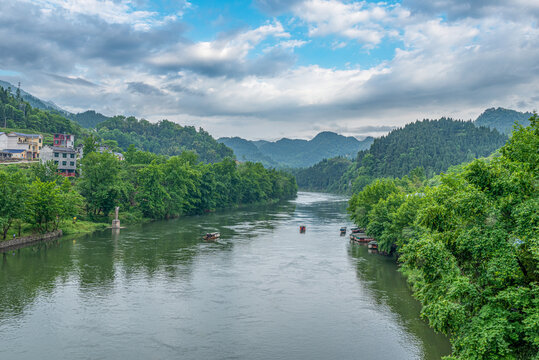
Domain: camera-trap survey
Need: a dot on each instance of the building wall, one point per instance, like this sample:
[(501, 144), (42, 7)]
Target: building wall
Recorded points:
[(3, 141)]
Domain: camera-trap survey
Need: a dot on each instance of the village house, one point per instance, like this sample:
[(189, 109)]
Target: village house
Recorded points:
[(64, 157), (64, 140), (28, 146)]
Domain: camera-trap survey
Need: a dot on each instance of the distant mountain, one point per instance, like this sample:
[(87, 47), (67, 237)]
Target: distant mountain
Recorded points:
[(297, 153), (32, 100), (246, 150), (88, 119), (502, 119)]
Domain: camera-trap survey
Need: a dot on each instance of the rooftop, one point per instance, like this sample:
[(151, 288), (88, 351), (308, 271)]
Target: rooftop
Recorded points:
[(27, 135), (13, 151), (62, 149)]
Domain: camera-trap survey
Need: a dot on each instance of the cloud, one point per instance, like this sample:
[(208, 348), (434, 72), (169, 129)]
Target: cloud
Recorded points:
[(142, 88), (226, 55), (365, 22), (249, 82)]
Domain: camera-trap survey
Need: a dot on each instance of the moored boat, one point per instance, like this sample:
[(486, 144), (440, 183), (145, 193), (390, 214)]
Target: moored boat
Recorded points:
[(212, 236), (356, 230), (373, 245), (360, 238)]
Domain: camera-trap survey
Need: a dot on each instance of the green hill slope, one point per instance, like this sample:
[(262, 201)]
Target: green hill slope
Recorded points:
[(502, 119), (163, 137)]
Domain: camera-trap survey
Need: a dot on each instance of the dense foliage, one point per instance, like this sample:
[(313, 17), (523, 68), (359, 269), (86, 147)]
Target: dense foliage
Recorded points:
[(88, 119), (144, 185), (297, 153), (163, 137), (323, 176), (470, 246), (502, 119), (38, 197), (19, 114), (434, 145)]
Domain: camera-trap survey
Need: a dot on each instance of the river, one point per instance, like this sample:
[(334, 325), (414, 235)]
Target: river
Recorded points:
[(263, 291)]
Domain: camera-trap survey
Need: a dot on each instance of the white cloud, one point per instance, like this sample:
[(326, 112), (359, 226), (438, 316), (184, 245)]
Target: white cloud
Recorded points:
[(365, 22), (231, 49)]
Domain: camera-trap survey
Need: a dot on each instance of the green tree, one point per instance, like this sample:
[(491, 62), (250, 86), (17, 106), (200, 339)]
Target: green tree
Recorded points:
[(13, 195), (100, 182)]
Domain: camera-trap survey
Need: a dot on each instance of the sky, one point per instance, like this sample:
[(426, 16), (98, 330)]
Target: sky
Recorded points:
[(266, 69)]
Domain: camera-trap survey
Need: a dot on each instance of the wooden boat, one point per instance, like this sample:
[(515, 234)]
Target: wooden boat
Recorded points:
[(373, 245), (360, 238), (357, 230), (212, 236), (343, 229), (302, 228)]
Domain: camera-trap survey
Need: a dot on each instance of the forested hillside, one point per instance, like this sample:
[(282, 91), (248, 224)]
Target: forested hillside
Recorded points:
[(469, 244), (88, 119), (323, 176), (432, 145), (16, 113), (502, 119), (31, 99), (298, 153), (163, 137)]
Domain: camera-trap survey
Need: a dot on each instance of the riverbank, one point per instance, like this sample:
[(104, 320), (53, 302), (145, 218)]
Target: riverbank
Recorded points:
[(28, 240)]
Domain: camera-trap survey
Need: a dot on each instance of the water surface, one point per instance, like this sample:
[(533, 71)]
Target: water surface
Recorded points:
[(263, 291)]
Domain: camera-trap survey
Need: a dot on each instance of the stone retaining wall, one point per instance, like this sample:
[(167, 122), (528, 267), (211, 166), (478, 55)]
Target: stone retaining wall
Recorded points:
[(26, 240)]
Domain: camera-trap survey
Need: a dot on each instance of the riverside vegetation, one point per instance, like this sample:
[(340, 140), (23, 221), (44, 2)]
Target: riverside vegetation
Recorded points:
[(145, 185), (468, 242)]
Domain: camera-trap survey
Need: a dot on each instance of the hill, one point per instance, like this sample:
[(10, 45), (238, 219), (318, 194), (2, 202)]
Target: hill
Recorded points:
[(323, 176), (430, 145), (88, 119), (32, 100), (434, 145), (296, 153), (19, 114), (502, 119), (163, 137)]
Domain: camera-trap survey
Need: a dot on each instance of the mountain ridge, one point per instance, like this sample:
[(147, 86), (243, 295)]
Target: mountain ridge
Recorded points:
[(297, 153)]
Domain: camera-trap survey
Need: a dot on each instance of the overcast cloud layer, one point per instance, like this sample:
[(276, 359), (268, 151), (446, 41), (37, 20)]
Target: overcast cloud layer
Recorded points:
[(284, 68)]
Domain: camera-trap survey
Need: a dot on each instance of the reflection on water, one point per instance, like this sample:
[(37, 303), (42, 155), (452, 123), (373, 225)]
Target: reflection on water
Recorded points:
[(263, 291)]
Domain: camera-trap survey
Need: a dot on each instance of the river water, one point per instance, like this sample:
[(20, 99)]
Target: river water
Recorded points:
[(263, 291)]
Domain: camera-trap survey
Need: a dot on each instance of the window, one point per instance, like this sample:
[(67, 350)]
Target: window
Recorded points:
[(72, 163), (55, 154), (64, 163), (72, 156), (56, 162), (64, 155)]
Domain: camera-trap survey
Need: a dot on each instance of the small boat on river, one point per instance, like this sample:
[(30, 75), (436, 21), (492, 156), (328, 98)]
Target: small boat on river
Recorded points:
[(356, 230), (360, 238), (343, 230), (212, 236), (302, 229), (373, 245)]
